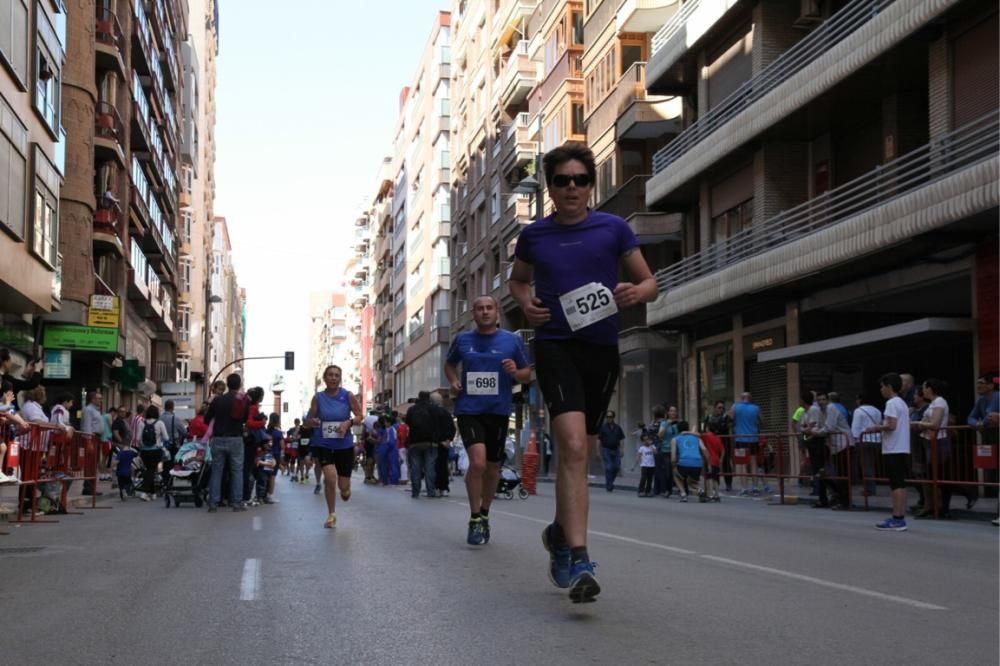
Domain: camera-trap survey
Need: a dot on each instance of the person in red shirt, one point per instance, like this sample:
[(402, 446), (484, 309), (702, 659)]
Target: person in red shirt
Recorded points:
[(716, 452), (197, 427)]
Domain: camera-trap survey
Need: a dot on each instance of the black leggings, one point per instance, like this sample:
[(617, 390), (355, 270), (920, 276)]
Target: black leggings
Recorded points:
[(646, 480), (150, 459)]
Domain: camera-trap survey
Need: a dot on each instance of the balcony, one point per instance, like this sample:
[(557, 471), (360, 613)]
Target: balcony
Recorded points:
[(518, 148), (109, 41), (629, 203), (815, 64), (645, 15), (109, 134), (105, 235), (692, 21), (520, 73), (415, 331), (940, 183), (442, 273), (397, 355), (569, 67)]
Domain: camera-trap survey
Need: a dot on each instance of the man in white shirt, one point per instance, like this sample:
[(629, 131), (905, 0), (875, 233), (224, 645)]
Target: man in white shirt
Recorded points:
[(895, 430), (868, 445)]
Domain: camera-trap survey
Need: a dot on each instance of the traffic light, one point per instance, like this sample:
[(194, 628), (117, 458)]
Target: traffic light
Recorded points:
[(289, 360)]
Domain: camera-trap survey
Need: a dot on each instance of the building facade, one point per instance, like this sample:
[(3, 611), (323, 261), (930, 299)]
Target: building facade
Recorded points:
[(227, 316)]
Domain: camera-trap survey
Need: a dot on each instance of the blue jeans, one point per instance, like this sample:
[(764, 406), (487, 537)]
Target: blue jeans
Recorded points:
[(612, 465), (226, 449), (422, 462)]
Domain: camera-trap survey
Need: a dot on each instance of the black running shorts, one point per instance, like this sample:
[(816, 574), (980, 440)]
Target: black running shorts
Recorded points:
[(488, 429), (896, 465), (304, 451), (576, 376), (342, 458)]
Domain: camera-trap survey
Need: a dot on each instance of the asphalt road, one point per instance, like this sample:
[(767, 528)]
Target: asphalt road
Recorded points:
[(739, 582)]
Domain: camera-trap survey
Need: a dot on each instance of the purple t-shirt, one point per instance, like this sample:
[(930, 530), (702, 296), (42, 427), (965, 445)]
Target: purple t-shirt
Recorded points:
[(567, 257)]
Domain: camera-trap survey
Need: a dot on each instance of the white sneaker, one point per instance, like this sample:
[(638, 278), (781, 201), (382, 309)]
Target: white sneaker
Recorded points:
[(143, 496), (8, 480)]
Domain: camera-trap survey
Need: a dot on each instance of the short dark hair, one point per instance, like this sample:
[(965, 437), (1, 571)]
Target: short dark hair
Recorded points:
[(423, 395), (822, 393), (234, 381), (659, 412), (152, 412), (808, 397), (936, 385), (569, 151), (256, 394), (169, 405), (64, 396), (7, 386), (892, 380), (4, 354), (89, 397), (683, 425)]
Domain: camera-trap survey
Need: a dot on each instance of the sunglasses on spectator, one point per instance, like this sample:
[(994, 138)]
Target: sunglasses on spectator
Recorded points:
[(578, 179)]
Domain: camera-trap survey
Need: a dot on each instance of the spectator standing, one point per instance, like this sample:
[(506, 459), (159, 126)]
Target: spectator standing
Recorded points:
[(152, 437), (805, 402), (138, 420), (547, 448), (422, 450), (747, 424), (227, 415), (124, 456), (933, 430), (895, 431), (612, 440), (647, 466), (32, 373), (444, 433), (838, 439), (909, 391), (814, 429), (716, 454), (721, 425), (868, 444), (985, 417)]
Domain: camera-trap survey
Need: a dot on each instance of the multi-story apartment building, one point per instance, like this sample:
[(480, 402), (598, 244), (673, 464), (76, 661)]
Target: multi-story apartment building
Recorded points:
[(835, 178), (382, 273), (227, 315), (335, 336), (420, 173), (195, 300), (33, 45)]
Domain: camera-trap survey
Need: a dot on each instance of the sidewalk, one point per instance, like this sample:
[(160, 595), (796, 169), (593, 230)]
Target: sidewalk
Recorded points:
[(985, 508)]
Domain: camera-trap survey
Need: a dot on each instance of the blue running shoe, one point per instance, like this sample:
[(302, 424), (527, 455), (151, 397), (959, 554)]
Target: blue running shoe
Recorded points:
[(583, 587), (559, 561), (486, 528), (475, 536), (892, 525)]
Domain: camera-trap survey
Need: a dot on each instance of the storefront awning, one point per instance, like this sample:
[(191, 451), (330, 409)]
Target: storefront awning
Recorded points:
[(927, 329)]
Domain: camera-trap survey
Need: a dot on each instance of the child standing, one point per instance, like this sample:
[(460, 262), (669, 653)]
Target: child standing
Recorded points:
[(647, 465), (266, 464), (716, 452), (124, 456)]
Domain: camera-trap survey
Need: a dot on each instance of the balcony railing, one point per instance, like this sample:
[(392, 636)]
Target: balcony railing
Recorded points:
[(630, 87), (442, 319), (968, 145), (108, 30), (789, 63), (674, 25), (628, 199), (569, 66), (108, 124)]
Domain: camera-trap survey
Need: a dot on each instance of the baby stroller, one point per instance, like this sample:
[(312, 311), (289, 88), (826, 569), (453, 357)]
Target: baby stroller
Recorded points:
[(510, 481), (188, 481)]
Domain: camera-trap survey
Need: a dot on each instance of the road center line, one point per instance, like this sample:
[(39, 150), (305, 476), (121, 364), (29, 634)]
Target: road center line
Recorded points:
[(826, 583), (250, 584), (746, 565), (257, 523)]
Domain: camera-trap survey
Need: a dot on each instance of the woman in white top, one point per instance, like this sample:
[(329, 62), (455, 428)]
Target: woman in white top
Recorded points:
[(31, 410), (60, 412), (935, 421)]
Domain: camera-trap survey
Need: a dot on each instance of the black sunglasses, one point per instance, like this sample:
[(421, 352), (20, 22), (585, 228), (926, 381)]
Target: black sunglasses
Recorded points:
[(578, 179)]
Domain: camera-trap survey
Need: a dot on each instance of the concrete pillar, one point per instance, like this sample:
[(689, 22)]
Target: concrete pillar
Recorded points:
[(939, 88), (794, 388), (774, 31), (77, 200), (739, 379)]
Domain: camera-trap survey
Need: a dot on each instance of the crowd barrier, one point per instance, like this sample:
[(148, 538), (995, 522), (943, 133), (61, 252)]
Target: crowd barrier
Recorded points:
[(944, 462), (47, 454)]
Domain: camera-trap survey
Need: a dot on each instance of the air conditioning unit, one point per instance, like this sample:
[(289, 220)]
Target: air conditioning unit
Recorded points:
[(810, 14)]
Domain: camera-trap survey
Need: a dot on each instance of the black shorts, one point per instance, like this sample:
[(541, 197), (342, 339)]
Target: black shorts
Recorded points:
[(304, 451), (577, 376), (753, 448), (342, 458), (896, 466), (488, 429), (689, 472)]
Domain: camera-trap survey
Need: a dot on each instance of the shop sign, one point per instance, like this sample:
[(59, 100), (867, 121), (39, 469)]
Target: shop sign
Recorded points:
[(762, 342), (104, 312), (57, 363), (85, 338)]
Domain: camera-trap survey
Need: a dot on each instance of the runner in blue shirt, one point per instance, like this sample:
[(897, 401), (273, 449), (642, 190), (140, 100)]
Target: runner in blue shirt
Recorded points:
[(491, 360), (573, 257), (331, 414)]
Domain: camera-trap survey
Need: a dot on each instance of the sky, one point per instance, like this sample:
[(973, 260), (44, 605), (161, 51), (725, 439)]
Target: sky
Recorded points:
[(307, 98)]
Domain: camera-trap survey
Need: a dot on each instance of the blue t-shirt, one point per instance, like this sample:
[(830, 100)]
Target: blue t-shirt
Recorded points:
[(276, 437), (688, 450), (483, 355), (332, 409), (565, 257), (745, 422), (125, 458)]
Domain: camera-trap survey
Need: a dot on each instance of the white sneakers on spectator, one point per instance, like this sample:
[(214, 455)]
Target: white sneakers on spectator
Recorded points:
[(8, 480)]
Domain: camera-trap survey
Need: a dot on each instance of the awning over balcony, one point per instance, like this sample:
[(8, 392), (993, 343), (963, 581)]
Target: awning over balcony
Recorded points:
[(925, 332)]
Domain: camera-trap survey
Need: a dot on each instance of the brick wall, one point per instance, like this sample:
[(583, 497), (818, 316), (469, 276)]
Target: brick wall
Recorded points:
[(939, 87), (781, 177), (773, 31)]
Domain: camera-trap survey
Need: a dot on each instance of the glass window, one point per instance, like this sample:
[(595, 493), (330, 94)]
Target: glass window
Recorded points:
[(14, 38), (577, 111), (47, 88), (13, 184), (577, 21), (43, 238), (631, 54)]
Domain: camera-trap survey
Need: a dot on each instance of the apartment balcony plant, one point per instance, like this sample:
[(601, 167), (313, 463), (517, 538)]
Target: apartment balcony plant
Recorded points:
[(109, 41), (109, 134)]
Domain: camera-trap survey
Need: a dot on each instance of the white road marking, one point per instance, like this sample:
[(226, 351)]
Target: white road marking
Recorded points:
[(827, 583), (250, 585), (746, 565), (257, 523)]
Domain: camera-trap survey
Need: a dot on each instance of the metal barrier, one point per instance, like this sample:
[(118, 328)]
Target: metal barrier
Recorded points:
[(939, 464), (49, 454)]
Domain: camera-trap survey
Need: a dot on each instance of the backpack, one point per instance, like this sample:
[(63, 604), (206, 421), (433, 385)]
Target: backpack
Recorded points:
[(420, 419), (445, 430), (149, 435)]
